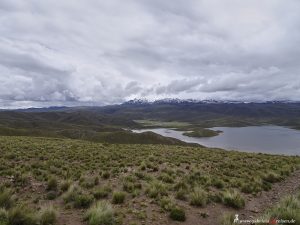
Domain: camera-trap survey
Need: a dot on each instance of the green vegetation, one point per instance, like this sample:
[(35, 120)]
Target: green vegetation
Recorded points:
[(47, 215), (199, 197), (201, 133), (233, 198), (52, 184), (6, 198), (156, 123), (287, 209), (118, 197), (74, 174), (101, 213), (102, 192), (227, 219), (177, 214)]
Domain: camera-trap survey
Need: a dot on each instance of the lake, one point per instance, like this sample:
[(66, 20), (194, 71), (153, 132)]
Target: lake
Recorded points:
[(265, 139)]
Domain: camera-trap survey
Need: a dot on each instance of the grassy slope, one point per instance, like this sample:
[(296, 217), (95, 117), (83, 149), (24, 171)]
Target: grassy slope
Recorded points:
[(151, 176), (211, 115), (77, 125)]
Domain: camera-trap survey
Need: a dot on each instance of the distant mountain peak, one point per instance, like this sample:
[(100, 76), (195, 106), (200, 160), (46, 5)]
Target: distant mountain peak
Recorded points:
[(137, 101), (195, 101)]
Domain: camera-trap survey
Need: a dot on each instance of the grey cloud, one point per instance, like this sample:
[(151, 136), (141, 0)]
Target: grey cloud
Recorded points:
[(177, 86), (103, 52)]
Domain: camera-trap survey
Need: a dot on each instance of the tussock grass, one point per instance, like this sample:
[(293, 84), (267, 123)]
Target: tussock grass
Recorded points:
[(6, 198), (198, 197), (227, 219), (233, 199), (47, 215), (156, 189), (101, 213), (118, 197), (287, 209), (177, 214)]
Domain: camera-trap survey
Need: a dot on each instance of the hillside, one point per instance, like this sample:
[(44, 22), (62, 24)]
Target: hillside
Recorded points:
[(136, 184), (107, 123)]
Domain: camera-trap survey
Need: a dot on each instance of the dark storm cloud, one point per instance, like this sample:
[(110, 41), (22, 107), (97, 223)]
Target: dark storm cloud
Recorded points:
[(102, 52)]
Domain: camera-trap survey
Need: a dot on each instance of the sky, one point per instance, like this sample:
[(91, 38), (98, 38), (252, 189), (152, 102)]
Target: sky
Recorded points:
[(98, 52)]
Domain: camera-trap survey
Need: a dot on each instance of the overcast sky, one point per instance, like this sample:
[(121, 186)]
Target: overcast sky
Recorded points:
[(93, 52)]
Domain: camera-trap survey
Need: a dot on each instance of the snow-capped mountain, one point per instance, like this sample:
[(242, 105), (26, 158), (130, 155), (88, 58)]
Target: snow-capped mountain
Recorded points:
[(186, 101)]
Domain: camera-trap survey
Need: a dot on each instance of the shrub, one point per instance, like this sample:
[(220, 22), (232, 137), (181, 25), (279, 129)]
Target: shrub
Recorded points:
[(177, 214), (118, 197), (101, 213), (199, 197), (6, 198), (52, 184), (234, 199), (47, 215)]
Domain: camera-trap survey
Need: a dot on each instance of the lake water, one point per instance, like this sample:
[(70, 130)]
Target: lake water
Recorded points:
[(266, 139)]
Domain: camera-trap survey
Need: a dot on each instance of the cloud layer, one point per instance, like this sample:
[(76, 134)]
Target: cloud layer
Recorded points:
[(102, 52)]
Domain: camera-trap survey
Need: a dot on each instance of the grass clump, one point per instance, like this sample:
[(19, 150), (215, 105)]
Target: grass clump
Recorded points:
[(52, 184), (227, 219), (21, 215), (105, 175), (271, 177), (218, 183), (47, 215), (101, 213), (51, 195), (166, 203), (177, 214), (3, 216), (118, 197), (156, 189), (287, 209), (65, 186), (101, 192), (198, 197), (233, 199), (71, 194), (181, 195), (6, 198), (83, 201)]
